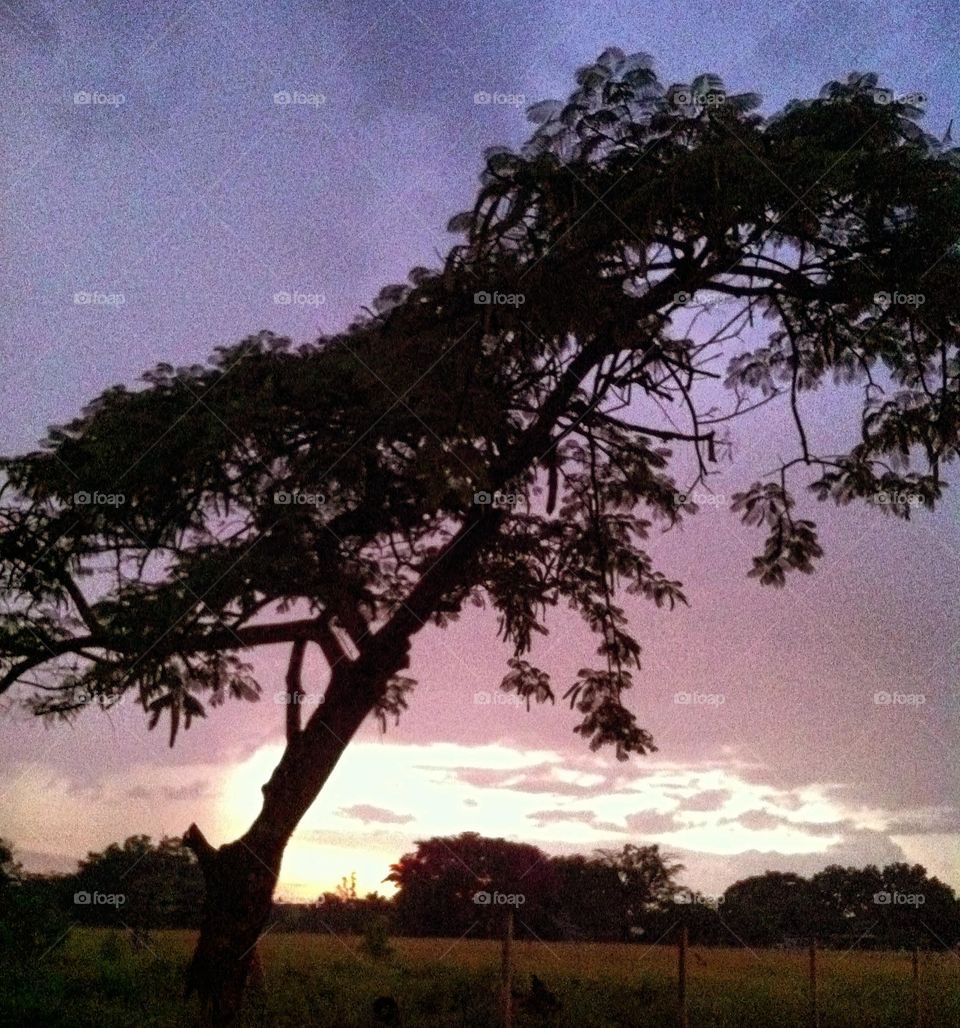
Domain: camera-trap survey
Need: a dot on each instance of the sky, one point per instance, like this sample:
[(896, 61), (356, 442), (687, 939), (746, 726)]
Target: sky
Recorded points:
[(158, 201)]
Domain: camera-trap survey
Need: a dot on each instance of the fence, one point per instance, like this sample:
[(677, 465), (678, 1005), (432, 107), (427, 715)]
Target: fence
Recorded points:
[(683, 947)]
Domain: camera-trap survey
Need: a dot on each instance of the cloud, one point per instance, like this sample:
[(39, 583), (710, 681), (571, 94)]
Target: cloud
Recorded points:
[(651, 823), (367, 814), (712, 799)]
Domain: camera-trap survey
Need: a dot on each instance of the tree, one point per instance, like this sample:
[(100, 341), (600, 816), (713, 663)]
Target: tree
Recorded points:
[(769, 908), (646, 880), (458, 884), (497, 431), (590, 899), (899, 905), (153, 885), (32, 922)]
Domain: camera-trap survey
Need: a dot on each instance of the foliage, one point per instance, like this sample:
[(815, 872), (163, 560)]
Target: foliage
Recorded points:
[(160, 884), (32, 923), (651, 231)]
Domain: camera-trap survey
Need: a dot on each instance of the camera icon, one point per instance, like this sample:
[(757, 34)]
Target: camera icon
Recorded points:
[(481, 698), (882, 699), (483, 298), (482, 97), (282, 298), (683, 98), (82, 498), (82, 899), (882, 898), (884, 97), (282, 98), (282, 497), (882, 299), (681, 299), (482, 898), (482, 498), (82, 97), (681, 697)]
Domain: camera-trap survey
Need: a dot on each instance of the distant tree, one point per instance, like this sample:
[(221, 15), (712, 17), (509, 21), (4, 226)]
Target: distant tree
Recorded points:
[(915, 909), (589, 895), (899, 905), (507, 429), (11, 870), (159, 885), (842, 907), (647, 880), (32, 922), (769, 908), (457, 884)]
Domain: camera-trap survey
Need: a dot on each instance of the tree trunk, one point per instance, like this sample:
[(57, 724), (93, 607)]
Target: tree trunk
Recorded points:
[(240, 877), (239, 894)]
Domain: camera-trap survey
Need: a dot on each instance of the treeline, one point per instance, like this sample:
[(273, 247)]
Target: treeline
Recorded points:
[(462, 885)]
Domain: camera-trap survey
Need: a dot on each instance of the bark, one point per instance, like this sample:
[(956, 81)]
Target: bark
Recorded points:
[(239, 893), (240, 877)]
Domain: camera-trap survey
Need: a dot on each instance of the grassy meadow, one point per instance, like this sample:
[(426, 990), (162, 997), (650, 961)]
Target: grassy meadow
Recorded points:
[(96, 978)]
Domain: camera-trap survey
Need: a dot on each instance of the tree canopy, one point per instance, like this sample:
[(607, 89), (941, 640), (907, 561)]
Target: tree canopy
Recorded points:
[(643, 232)]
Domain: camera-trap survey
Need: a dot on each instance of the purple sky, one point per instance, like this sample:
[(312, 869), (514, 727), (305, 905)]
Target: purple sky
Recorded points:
[(196, 199)]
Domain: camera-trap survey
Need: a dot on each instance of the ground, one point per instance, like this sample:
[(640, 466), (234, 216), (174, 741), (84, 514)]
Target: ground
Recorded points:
[(97, 979)]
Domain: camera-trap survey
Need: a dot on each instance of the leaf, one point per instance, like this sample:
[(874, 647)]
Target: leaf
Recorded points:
[(544, 111), (460, 222)]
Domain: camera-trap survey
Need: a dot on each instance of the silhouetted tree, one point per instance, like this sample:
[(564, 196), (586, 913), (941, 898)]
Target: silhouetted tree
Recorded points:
[(156, 885), (32, 921), (589, 893), (899, 905), (464, 883), (646, 880), (769, 908), (345, 494)]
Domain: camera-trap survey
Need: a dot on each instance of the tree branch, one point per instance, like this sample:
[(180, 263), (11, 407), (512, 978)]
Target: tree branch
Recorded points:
[(295, 691)]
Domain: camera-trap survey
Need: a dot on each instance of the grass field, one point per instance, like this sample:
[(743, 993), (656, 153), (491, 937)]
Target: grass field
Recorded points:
[(97, 979)]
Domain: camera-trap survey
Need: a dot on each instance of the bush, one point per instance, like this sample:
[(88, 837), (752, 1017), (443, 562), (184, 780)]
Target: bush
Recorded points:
[(376, 939)]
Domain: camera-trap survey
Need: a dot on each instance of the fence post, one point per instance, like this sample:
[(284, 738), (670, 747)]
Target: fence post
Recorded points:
[(682, 978), (814, 998), (506, 995), (917, 1018)]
